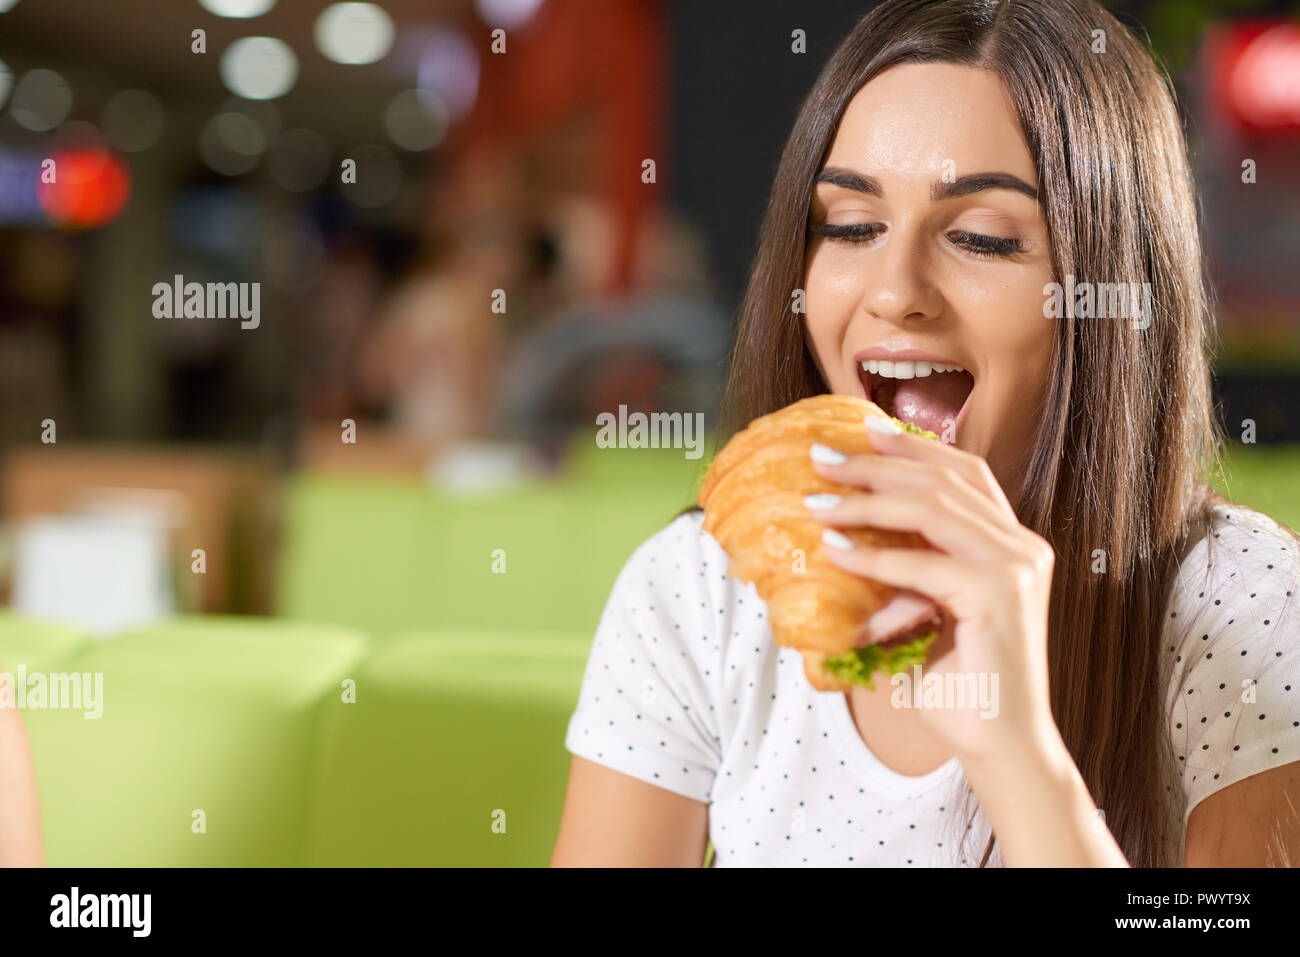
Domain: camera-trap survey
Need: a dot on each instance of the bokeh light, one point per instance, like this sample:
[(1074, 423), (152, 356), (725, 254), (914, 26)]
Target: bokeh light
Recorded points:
[(231, 143), (263, 112), (259, 68), (77, 135), (1264, 85), (449, 69), (239, 9), (416, 120), (354, 33), (300, 160), (507, 13), (41, 100), (91, 186), (132, 120)]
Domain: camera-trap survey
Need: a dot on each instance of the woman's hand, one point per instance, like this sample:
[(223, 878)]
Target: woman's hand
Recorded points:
[(990, 576)]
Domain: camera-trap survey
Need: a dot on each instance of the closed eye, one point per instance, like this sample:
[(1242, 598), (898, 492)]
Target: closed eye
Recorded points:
[(977, 244), (850, 232), (986, 246)]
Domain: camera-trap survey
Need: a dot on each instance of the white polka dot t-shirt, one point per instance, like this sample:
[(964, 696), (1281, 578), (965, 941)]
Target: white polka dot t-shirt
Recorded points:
[(1231, 659), (685, 689)]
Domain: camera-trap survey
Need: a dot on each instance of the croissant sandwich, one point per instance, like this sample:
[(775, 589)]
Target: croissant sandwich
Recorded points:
[(753, 501)]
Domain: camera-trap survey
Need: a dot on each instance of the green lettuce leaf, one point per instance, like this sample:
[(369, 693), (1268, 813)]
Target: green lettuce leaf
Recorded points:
[(857, 666), (914, 429)]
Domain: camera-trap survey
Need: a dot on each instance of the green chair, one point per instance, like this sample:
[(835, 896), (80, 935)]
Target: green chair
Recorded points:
[(39, 646), (388, 556), (453, 754), (211, 715)]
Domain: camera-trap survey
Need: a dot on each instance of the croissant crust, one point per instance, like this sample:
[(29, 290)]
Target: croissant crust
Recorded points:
[(752, 498)]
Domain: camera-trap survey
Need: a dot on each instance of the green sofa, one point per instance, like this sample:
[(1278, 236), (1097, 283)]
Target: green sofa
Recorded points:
[(247, 742)]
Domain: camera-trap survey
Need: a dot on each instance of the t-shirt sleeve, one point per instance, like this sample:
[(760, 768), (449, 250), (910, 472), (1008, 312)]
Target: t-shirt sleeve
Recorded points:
[(646, 704), (1233, 630)]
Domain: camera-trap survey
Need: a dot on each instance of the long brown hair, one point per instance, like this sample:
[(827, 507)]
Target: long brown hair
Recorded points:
[(1128, 434)]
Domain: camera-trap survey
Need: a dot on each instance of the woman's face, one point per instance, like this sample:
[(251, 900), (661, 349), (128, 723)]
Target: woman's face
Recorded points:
[(927, 247)]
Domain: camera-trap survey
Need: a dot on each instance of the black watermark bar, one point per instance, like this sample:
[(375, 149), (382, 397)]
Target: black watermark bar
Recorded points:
[(300, 906)]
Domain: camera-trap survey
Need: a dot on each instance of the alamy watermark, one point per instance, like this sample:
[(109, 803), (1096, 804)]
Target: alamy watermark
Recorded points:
[(1099, 300), (179, 299), (77, 690), (950, 690), (655, 430)]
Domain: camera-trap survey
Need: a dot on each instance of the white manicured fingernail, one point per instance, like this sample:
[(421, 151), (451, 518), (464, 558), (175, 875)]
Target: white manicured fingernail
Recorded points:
[(821, 502), (836, 540), (882, 426), (826, 455)]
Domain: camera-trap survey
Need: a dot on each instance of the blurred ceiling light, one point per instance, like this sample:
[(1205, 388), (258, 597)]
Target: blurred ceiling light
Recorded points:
[(42, 100), (241, 133), (300, 160), (416, 120), (259, 68), (506, 13), (91, 188), (449, 70), (230, 143), (133, 120), (239, 9), (354, 33), (6, 81), (378, 177), (7, 5)]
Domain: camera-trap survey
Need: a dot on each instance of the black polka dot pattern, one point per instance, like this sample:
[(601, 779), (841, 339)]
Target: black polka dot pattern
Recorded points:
[(1235, 655), (684, 689)]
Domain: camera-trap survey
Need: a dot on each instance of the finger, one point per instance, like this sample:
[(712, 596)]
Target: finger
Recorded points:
[(947, 524), (888, 472), (887, 438), (949, 581)]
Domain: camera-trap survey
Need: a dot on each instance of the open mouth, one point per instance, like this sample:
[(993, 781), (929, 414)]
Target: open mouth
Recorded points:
[(932, 396)]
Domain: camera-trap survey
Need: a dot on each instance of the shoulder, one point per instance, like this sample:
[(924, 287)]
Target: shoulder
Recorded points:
[(1241, 570), (682, 567), (649, 704), (1231, 653)]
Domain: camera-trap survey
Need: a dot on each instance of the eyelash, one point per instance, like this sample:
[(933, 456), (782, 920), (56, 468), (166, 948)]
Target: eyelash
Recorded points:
[(977, 244)]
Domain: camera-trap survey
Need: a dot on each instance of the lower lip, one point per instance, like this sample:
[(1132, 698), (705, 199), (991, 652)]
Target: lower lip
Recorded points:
[(961, 413)]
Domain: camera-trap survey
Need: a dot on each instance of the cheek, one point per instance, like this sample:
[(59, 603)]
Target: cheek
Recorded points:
[(831, 294), (820, 314), (1013, 327)]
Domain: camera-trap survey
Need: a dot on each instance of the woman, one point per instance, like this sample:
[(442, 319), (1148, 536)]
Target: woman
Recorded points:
[(952, 162), (20, 816)]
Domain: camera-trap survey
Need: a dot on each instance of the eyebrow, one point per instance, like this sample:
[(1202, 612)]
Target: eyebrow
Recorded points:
[(962, 186)]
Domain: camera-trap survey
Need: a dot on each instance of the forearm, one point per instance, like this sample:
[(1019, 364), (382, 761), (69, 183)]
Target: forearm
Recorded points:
[(1039, 807), (20, 816)]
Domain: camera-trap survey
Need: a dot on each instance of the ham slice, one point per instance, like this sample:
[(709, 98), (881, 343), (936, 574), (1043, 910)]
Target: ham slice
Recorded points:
[(904, 613)]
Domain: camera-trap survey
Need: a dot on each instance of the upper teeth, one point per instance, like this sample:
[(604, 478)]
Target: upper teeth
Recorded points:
[(906, 369)]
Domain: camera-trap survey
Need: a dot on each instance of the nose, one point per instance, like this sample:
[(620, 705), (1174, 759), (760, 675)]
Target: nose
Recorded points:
[(898, 284)]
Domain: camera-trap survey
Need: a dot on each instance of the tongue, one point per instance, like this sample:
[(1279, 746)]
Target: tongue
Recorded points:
[(931, 402)]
